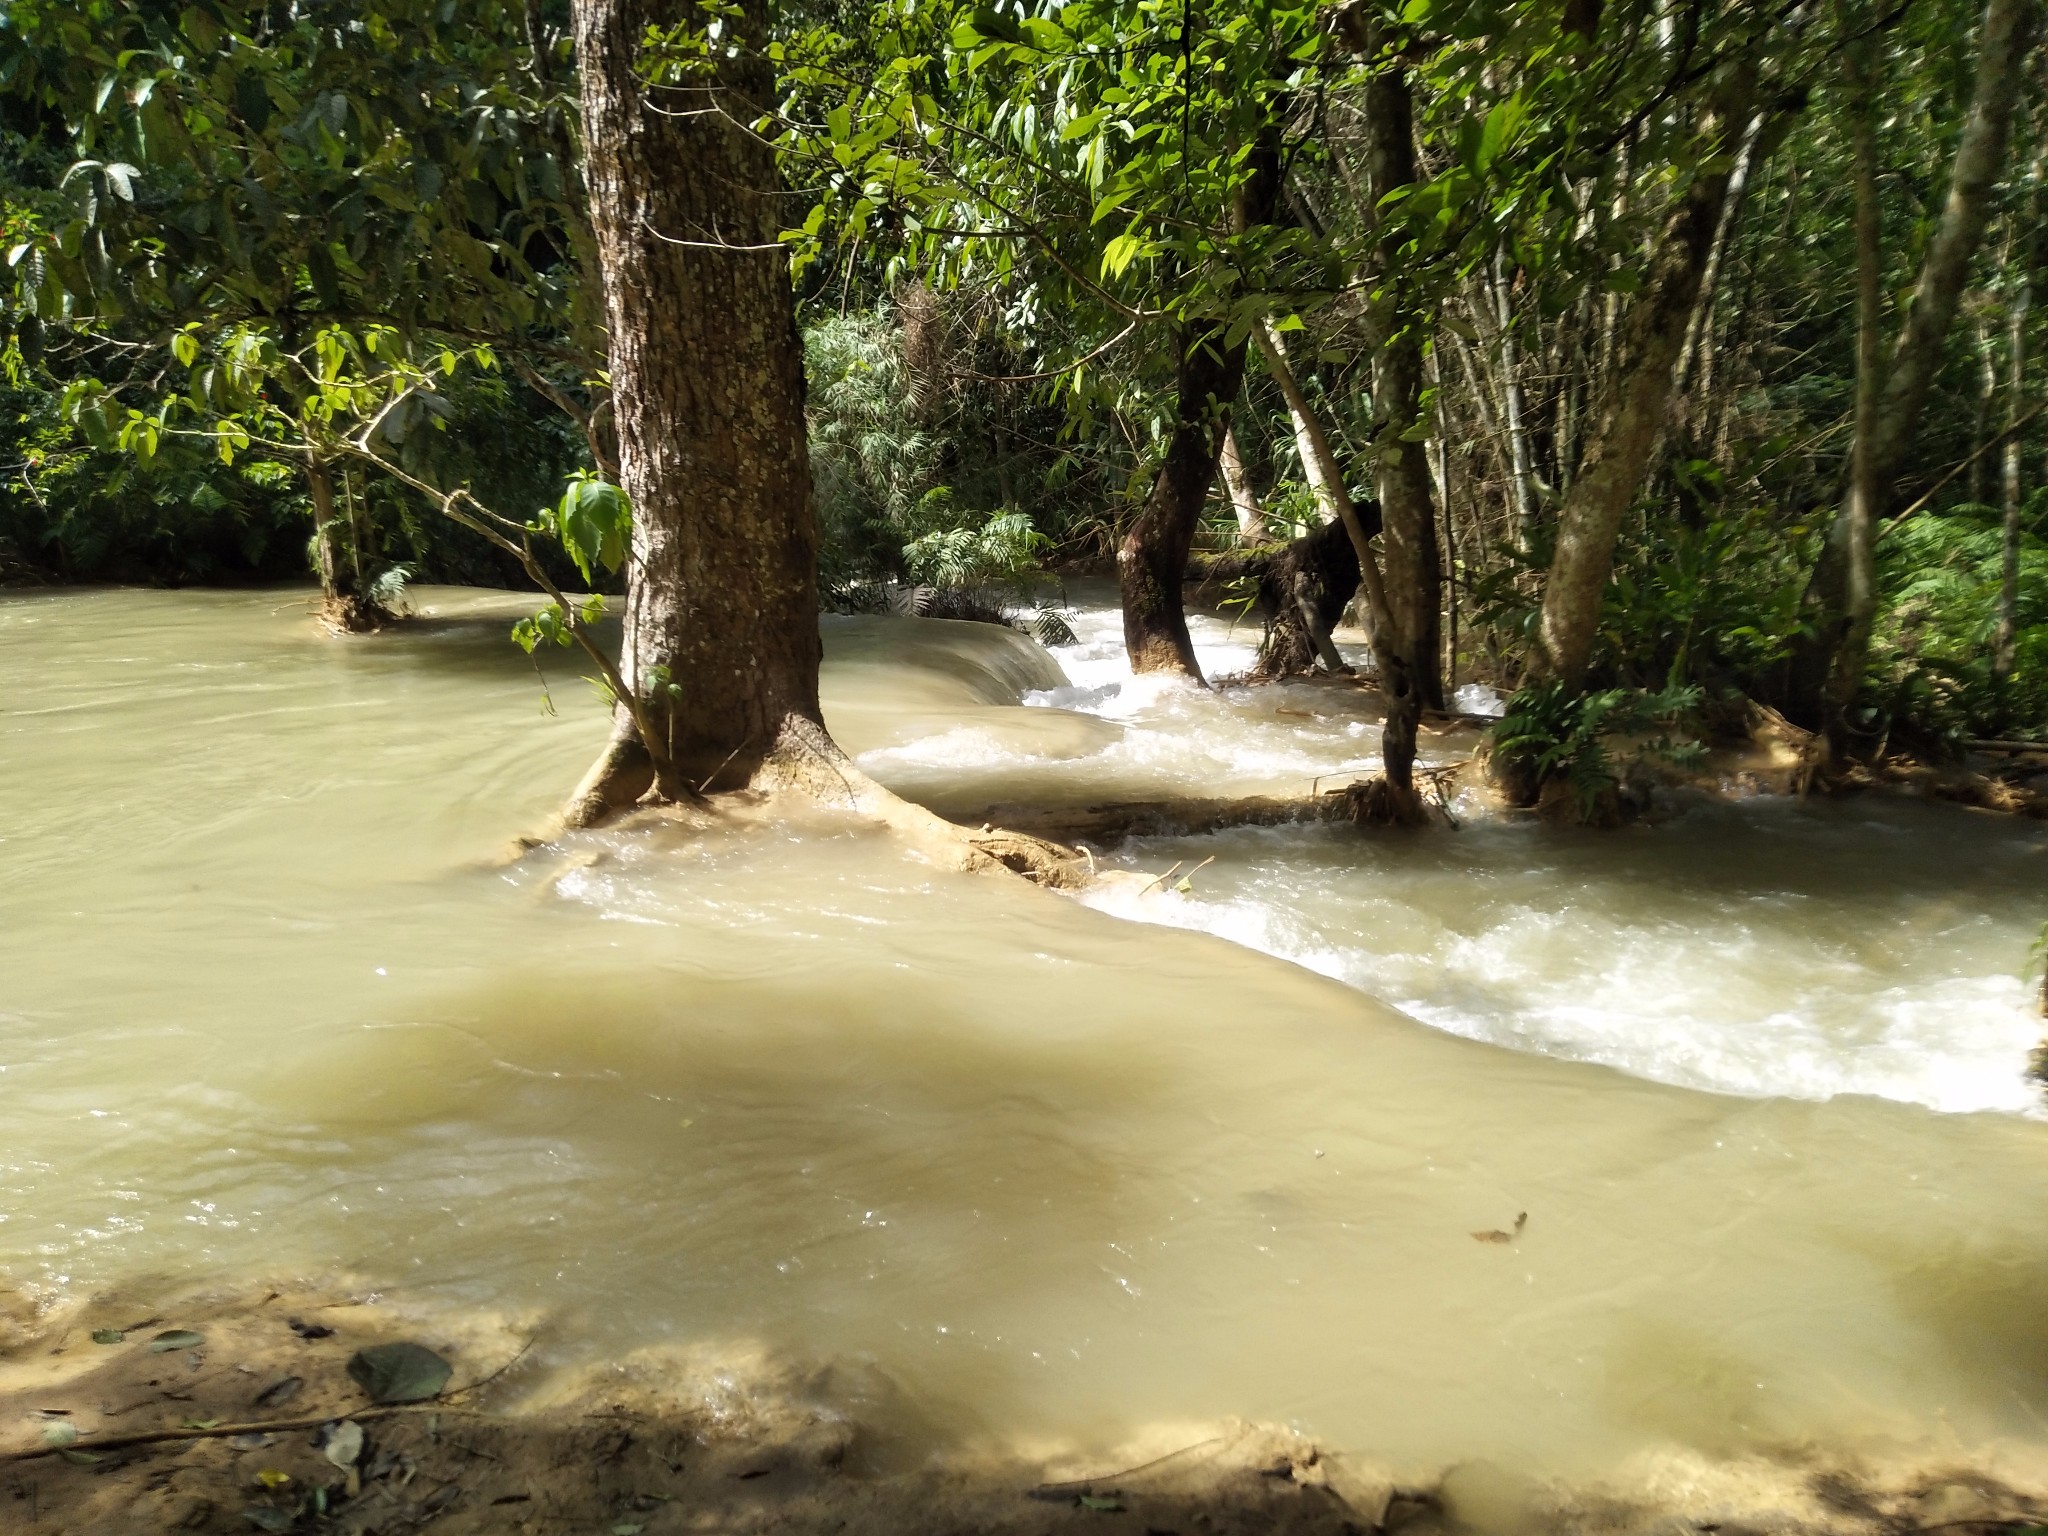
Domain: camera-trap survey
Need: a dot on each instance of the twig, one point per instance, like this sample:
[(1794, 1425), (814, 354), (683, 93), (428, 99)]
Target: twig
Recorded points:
[(1143, 1466), (221, 1431), (1167, 876), (1983, 448), (484, 1381)]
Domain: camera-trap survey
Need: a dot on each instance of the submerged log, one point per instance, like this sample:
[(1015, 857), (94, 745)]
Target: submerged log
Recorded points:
[(1178, 817)]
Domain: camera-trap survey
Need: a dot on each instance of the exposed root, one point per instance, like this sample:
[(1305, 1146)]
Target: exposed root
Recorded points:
[(621, 776), (348, 613), (806, 764), (1379, 802)]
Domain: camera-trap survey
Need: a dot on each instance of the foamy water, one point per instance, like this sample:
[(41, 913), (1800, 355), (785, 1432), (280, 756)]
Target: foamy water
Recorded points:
[(1744, 949)]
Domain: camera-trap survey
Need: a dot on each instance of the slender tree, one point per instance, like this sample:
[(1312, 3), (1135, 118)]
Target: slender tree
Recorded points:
[(1829, 664)]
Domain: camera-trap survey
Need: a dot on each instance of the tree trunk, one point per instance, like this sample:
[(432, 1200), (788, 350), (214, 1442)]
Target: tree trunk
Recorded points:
[(1859, 508), (1841, 598), (1697, 353), (1514, 405), (1152, 562), (1629, 418), (1407, 638), (1303, 587), (343, 608), (1251, 517), (1154, 555), (721, 616), (1319, 464), (2004, 639)]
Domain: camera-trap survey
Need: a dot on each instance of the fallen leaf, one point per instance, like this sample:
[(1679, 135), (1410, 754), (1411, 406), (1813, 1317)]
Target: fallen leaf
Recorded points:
[(344, 1443), (399, 1373), (199, 1424), (107, 1336), (627, 1529), (309, 1331), (270, 1477), (176, 1338), (60, 1434), (1108, 1504), (1495, 1236), (80, 1458)]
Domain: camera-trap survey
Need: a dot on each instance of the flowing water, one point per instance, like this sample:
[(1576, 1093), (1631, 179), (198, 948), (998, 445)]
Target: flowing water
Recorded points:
[(270, 1004)]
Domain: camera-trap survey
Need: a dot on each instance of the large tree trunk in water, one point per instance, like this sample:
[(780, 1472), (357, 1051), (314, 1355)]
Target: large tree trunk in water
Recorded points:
[(343, 608), (1828, 667), (1629, 418), (1303, 588), (1405, 638), (721, 617), (1154, 554)]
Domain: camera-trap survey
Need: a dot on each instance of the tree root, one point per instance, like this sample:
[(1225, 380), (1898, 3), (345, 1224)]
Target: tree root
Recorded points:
[(348, 613), (1379, 802), (806, 765)]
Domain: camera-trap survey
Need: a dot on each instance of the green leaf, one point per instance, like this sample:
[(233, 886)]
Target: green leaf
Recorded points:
[(399, 1373), (60, 1435), (199, 1423), (107, 1336), (988, 23), (594, 521), (1107, 1503), (1120, 253), (175, 1338)]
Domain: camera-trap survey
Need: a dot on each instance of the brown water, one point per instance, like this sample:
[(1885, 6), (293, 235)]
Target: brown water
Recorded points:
[(269, 1005)]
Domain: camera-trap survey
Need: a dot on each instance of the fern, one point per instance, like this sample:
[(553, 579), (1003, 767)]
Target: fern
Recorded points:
[(1565, 735)]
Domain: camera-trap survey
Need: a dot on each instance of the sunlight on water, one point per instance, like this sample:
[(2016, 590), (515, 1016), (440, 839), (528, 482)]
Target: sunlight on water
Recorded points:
[(273, 1006)]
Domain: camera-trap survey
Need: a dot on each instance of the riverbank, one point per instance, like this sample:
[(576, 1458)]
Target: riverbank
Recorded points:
[(132, 1413)]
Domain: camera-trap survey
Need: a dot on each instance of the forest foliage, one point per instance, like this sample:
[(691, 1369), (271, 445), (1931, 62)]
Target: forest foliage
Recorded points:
[(260, 261)]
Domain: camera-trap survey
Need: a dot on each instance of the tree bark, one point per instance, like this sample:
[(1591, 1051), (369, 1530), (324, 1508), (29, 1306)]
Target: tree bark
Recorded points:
[(721, 615), (1828, 666), (1629, 418), (1154, 555), (1325, 475), (343, 608), (1407, 637), (2005, 636), (1514, 405), (1251, 517), (1209, 371), (1303, 588), (1860, 507)]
